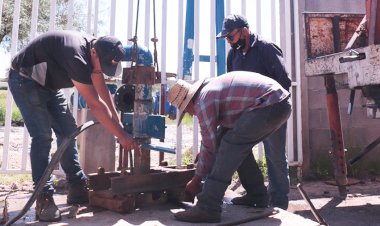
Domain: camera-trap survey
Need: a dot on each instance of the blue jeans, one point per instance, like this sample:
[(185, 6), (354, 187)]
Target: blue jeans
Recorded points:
[(43, 110), (278, 169), (235, 152)]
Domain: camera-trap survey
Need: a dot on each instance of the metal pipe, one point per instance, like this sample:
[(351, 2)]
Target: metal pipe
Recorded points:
[(297, 57), (340, 168), (113, 17), (315, 212), (179, 75), (196, 69)]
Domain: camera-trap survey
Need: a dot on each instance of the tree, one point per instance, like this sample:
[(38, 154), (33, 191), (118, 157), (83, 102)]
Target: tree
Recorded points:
[(43, 19)]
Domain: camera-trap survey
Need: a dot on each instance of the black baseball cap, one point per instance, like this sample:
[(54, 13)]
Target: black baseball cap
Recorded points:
[(110, 52), (230, 23)]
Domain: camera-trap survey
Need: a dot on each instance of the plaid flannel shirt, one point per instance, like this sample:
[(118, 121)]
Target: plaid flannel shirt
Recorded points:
[(222, 100)]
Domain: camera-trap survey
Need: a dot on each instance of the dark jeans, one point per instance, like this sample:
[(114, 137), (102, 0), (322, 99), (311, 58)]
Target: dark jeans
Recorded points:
[(235, 149), (278, 170), (44, 110)]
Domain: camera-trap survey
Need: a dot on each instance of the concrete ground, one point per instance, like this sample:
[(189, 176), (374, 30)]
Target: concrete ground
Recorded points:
[(153, 213), (360, 208)]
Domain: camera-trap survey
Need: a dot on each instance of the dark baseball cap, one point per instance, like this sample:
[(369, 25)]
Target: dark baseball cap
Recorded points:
[(230, 23), (110, 52)]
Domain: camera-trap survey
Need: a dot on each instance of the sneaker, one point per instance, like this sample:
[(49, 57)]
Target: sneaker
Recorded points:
[(46, 210), (197, 214), (253, 201), (78, 193)]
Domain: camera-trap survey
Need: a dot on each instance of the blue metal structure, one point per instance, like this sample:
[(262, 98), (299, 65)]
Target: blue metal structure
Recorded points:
[(220, 43), (188, 55)]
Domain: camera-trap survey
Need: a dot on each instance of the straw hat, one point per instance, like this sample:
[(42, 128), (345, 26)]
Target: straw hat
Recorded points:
[(181, 94)]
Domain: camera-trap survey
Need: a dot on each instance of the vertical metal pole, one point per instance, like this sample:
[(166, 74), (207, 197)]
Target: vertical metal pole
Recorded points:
[(89, 16), (196, 70), (163, 65), (220, 43), (188, 56), (180, 75), (9, 99), (53, 4), (96, 17), (142, 109), (1, 10), (339, 158), (113, 17), (212, 37)]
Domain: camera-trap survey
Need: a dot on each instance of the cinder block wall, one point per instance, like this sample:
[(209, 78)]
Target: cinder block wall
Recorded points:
[(358, 129), (358, 132)]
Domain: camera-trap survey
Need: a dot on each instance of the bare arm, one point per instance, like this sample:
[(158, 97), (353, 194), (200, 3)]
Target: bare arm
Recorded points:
[(104, 114), (105, 95)]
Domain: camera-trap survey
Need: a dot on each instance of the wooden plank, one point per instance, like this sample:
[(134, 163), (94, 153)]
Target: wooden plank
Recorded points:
[(154, 181), (117, 203)]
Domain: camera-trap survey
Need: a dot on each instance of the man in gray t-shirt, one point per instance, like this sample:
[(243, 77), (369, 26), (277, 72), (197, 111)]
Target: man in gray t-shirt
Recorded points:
[(53, 61)]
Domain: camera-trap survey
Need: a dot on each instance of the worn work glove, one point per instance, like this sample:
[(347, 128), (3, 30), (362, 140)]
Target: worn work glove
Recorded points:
[(193, 187)]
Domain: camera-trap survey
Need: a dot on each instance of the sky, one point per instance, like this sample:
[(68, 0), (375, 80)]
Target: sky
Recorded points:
[(125, 23)]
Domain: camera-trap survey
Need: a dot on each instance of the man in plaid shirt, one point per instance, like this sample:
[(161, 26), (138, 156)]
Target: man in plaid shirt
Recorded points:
[(249, 107)]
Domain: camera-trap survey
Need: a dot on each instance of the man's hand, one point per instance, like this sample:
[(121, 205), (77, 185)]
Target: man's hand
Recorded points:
[(193, 187), (128, 143)]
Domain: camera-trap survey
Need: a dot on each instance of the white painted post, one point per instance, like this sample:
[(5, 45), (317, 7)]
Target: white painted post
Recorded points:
[(273, 19), (243, 7), (196, 71), (147, 23), (212, 37), (258, 16), (130, 26), (179, 75), (53, 6), (298, 80), (1, 10), (89, 16), (113, 17), (9, 100), (96, 17)]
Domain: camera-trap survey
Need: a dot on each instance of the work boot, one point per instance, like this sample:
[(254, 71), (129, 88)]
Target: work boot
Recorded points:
[(46, 210), (196, 215), (78, 193), (253, 201), (279, 202)]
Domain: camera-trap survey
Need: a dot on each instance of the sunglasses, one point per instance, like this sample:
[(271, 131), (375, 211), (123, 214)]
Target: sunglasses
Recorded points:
[(231, 37)]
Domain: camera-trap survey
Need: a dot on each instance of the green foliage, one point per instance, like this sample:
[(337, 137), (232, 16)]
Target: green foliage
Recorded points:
[(187, 157), (18, 179), (16, 115), (363, 168), (61, 19), (187, 119), (2, 114), (263, 167), (322, 167)]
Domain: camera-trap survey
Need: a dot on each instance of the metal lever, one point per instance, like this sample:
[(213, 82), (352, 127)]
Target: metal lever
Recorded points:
[(157, 148), (353, 56), (314, 211), (367, 149)]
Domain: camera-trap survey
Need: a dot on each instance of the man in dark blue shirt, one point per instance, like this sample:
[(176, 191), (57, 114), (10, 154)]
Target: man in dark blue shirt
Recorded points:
[(249, 52)]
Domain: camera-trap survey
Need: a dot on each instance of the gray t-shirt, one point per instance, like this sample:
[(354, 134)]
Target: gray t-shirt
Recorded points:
[(55, 58)]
